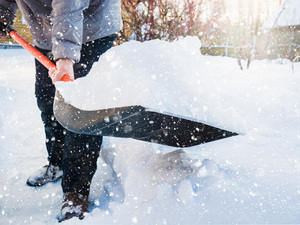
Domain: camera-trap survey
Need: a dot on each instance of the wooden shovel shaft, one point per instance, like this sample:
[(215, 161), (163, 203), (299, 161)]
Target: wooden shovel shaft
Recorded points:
[(38, 55)]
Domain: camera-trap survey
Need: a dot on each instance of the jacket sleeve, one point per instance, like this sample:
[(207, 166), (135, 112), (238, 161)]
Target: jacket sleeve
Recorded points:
[(67, 31), (8, 10)]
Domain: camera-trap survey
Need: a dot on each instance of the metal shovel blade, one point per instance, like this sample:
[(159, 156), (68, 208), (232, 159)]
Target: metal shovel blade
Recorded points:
[(137, 122), (128, 122)]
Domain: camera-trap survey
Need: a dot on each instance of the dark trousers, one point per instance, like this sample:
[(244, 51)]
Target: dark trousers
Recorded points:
[(77, 154)]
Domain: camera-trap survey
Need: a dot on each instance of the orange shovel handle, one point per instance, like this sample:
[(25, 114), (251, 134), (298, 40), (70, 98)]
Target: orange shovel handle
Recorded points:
[(38, 55)]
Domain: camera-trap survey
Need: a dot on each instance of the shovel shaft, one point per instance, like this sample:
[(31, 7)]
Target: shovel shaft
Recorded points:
[(38, 55)]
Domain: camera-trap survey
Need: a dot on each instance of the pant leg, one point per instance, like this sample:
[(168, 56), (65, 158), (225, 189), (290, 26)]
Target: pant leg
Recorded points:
[(44, 92), (81, 151)]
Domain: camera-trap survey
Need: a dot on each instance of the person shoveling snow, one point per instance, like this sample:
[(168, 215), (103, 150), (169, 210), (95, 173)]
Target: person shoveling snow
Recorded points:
[(73, 152), (66, 33)]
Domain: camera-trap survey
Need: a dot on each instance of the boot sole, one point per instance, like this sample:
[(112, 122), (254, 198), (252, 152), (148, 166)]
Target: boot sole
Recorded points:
[(41, 184)]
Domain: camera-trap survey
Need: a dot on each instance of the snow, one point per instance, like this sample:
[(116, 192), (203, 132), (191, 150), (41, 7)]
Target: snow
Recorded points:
[(250, 178), (288, 14)]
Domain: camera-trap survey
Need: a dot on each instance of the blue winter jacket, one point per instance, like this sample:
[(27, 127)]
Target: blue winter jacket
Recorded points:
[(64, 25)]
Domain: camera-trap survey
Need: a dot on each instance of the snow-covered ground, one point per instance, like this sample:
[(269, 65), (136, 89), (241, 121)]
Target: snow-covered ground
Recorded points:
[(250, 178)]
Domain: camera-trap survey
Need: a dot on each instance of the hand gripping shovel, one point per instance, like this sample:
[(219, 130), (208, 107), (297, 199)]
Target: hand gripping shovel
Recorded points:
[(39, 56), (135, 122)]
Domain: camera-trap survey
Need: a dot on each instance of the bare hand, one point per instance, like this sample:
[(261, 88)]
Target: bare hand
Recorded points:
[(63, 67)]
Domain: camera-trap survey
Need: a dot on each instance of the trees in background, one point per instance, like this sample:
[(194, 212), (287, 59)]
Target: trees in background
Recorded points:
[(242, 26), (242, 31), (234, 23), (168, 19)]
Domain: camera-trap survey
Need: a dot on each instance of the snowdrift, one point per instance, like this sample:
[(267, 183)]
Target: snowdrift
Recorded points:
[(251, 178)]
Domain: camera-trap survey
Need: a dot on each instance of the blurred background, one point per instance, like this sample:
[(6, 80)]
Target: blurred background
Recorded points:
[(244, 29)]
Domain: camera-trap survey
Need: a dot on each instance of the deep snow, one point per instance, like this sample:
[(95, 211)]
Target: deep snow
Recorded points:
[(250, 178)]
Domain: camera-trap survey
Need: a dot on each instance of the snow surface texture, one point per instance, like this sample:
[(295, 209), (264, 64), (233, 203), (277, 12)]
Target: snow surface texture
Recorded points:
[(250, 178), (288, 14), (159, 75)]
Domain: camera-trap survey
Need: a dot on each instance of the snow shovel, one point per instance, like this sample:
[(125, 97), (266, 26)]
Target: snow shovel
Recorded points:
[(38, 55), (135, 122)]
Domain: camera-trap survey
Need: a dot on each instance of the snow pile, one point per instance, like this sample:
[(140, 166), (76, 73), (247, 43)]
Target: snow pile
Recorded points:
[(250, 178), (137, 73), (163, 76)]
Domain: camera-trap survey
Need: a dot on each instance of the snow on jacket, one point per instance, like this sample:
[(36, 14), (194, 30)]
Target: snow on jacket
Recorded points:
[(64, 25)]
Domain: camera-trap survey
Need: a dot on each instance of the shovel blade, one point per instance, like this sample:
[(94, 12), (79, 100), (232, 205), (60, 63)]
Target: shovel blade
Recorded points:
[(137, 122)]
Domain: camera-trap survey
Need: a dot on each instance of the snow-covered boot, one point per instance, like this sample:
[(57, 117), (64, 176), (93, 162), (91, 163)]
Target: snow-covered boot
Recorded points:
[(74, 205), (46, 174)]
